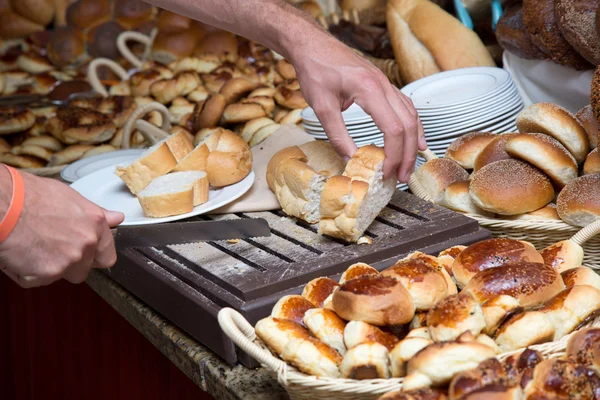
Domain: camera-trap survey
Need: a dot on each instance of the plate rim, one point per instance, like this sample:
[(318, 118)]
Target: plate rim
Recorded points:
[(86, 161)]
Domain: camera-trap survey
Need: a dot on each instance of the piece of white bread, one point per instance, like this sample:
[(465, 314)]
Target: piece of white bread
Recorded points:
[(174, 194), (224, 156), (154, 162), (298, 174), (351, 202)]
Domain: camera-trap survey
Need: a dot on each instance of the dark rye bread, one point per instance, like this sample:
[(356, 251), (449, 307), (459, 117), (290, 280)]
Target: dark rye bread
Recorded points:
[(576, 20), (541, 24), (513, 37)]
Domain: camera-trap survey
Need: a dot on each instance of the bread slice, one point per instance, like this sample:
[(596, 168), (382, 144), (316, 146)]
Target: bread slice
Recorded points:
[(370, 193), (174, 194)]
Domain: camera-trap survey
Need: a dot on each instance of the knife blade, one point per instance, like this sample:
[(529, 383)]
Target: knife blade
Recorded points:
[(189, 232)]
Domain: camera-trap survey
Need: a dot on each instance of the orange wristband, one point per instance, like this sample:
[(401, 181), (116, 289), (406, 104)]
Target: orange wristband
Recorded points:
[(13, 213)]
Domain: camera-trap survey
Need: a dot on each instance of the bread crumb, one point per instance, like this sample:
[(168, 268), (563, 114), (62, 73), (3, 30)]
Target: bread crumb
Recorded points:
[(364, 240), (233, 241)]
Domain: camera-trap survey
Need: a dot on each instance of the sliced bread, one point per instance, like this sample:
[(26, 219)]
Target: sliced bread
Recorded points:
[(174, 194)]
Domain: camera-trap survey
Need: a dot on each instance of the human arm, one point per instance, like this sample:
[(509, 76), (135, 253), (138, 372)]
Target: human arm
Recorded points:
[(331, 75), (59, 234)]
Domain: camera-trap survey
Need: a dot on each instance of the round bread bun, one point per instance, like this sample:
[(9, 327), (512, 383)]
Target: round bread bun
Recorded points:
[(559, 378), (592, 163), (224, 44), (21, 161), (66, 46), (492, 253), (170, 46), (543, 214), (580, 276), (13, 26), (230, 158), (288, 95), (377, 300), (292, 308), (541, 24), (436, 174), (532, 284), (12, 121), (510, 187), (563, 255), (357, 270), (584, 347), (578, 203), (545, 153), (586, 118), (86, 14), (457, 197), (576, 20), (453, 316), (557, 122), (424, 281), (132, 13), (318, 290), (238, 112), (168, 21), (494, 151), (102, 40), (512, 36), (465, 149), (207, 113)]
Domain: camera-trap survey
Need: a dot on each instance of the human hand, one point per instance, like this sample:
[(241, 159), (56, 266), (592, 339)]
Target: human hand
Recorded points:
[(60, 234), (336, 78)]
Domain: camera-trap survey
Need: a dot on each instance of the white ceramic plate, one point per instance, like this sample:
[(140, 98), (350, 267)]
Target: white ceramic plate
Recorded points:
[(468, 112), (502, 111), (86, 166), (354, 114), (355, 134), (365, 130), (456, 87), (107, 190)]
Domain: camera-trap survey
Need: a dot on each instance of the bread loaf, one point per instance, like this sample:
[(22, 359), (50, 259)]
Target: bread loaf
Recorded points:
[(512, 35), (578, 203), (416, 28), (576, 20)]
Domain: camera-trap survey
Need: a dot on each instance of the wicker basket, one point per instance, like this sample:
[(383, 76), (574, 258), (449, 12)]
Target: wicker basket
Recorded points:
[(306, 387), (540, 234)]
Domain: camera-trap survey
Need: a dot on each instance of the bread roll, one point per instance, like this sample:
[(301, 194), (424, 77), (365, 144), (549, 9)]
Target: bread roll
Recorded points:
[(438, 363), (557, 122), (453, 316), (581, 276), (5, 147), (465, 149), (318, 290), (494, 151), (541, 24), (586, 118), (13, 26), (356, 271), (545, 153), (21, 161), (415, 30), (168, 21), (592, 163), (221, 43), (435, 263), (583, 347), (436, 174), (182, 84), (510, 187), (312, 357), (276, 333), (86, 14), (424, 281), (207, 113), (519, 366), (288, 95), (572, 308), (174, 194), (289, 153), (576, 20), (33, 151), (489, 372), (498, 310), (457, 197), (512, 35), (423, 394), (169, 46), (132, 13), (263, 133), (366, 361), (47, 142), (492, 253), (525, 329), (358, 332), (377, 300), (557, 378), (322, 157), (326, 326), (543, 214), (292, 308), (102, 40), (563, 255), (579, 202), (404, 351), (66, 46), (12, 121), (532, 284), (154, 162)]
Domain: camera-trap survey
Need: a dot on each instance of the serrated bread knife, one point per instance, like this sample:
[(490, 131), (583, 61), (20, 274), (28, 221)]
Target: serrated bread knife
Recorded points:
[(189, 232)]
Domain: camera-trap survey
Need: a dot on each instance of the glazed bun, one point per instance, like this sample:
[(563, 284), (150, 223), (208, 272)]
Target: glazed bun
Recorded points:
[(530, 283), (547, 154), (586, 118), (556, 378), (525, 329), (592, 163), (132, 13), (581, 276), (366, 361), (14, 26), (557, 122), (170, 46), (291, 308), (102, 40), (357, 270), (563, 255), (168, 21), (326, 326), (571, 308), (465, 149), (318, 290), (583, 347), (492, 253), (436, 174), (453, 316), (86, 14), (489, 372), (510, 187), (222, 44), (377, 300), (578, 203), (358, 332), (494, 151), (66, 46)]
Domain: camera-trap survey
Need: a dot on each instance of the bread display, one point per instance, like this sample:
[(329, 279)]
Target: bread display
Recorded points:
[(416, 31)]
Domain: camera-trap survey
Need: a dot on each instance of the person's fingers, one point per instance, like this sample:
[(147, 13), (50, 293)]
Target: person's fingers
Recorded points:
[(113, 218), (106, 253), (79, 271), (330, 116)]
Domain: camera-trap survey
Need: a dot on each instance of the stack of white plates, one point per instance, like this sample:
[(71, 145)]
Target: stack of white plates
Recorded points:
[(453, 103), (359, 124)]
